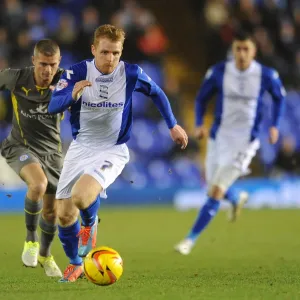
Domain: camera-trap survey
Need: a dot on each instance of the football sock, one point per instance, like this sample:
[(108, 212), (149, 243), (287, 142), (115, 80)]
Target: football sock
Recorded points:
[(205, 215), (232, 195), (89, 214), (32, 212), (47, 235), (69, 239)]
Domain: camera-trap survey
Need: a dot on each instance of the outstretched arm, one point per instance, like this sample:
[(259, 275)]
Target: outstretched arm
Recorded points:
[(149, 88)]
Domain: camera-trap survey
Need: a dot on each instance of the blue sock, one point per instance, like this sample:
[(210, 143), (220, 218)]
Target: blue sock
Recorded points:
[(89, 214), (206, 214), (232, 195), (69, 240)]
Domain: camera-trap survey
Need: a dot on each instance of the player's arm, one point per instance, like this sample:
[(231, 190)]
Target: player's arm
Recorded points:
[(205, 92), (8, 78), (67, 91), (149, 88), (278, 94), (62, 95)]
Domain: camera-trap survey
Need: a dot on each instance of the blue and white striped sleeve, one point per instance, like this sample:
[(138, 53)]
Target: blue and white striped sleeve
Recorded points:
[(149, 88)]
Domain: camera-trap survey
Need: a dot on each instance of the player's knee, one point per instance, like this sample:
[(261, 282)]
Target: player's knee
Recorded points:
[(38, 188), (78, 198), (217, 192), (50, 215), (82, 198), (66, 218)]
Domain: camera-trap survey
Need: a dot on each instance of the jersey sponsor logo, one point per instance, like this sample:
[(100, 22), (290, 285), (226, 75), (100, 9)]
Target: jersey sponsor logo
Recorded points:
[(62, 84), (23, 157), (37, 116), (105, 105), (101, 79), (41, 109)]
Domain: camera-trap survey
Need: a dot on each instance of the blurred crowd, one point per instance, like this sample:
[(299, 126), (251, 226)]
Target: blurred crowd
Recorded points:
[(72, 23), (275, 25)]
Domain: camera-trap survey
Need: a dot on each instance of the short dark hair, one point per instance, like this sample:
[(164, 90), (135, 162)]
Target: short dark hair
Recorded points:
[(46, 47), (242, 35)]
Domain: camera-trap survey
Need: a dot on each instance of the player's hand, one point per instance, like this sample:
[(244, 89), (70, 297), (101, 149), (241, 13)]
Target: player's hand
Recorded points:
[(78, 88), (200, 132), (273, 135), (179, 136)]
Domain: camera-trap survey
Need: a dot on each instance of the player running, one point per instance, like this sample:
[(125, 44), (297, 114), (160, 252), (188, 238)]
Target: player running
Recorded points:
[(240, 85), (99, 94), (33, 148)]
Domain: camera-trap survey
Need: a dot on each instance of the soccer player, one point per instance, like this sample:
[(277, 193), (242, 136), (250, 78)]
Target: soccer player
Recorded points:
[(33, 148), (99, 94), (239, 85)]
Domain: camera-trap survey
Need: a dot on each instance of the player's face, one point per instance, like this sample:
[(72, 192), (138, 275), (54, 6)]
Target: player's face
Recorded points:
[(244, 53), (45, 68), (107, 54)]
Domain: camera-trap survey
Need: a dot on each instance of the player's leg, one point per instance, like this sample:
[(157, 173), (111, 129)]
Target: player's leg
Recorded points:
[(48, 229), (68, 231), (224, 177), (237, 199), (210, 207), (36, 182), (68, 225), (104, 170), (26, 164), (52, 165), (88, 202)]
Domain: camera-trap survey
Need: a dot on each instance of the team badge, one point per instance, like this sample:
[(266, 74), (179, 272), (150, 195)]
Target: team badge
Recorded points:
[(62, 83), (23, 157)]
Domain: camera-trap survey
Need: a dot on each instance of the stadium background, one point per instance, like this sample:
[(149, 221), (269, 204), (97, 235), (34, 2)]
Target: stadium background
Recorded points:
[(176, 55)]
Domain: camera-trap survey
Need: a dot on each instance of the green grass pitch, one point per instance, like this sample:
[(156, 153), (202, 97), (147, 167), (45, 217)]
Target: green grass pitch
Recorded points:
[(256, 258)]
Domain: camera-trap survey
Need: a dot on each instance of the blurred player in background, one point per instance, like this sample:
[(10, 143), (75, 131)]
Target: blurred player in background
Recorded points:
[(99, 94), (33, 148), (239, 84)]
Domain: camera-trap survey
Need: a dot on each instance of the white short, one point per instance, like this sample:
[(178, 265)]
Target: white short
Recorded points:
[(105, 166), (224, 156)]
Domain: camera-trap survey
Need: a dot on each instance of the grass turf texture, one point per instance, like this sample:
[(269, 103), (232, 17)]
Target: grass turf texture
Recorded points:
[(256, 258)]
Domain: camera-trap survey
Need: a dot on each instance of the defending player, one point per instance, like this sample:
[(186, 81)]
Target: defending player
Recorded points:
[(239, 85), (99, 92), (33, 148)]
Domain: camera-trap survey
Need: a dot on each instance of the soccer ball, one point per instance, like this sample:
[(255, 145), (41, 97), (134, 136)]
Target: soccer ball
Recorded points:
[(103, 266)]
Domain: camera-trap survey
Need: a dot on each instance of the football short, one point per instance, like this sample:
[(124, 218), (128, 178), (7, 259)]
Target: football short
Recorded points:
[(17, 156), (104, 165), (226, 157)]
